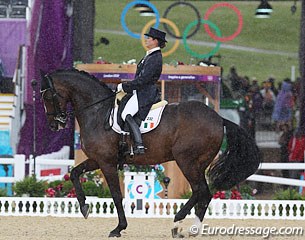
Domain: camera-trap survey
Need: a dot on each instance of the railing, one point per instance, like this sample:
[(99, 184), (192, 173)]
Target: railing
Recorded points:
[(279, 180), (57, 161), (18, 162), (163, 208)]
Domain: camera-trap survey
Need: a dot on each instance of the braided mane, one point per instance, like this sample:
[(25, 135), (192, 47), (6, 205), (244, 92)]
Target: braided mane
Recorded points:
[(84, 73)]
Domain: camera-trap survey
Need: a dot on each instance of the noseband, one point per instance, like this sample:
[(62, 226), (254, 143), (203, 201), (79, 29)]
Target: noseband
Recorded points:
[(59, 115)]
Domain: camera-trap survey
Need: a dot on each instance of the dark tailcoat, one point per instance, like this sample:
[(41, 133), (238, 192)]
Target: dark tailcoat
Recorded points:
[(145, 82)]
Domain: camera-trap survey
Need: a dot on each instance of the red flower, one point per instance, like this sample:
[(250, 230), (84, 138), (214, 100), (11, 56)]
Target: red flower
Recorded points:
[(66, 177), (235, 194), (72, 193), (220, 194), (50, 192), (59, 187)]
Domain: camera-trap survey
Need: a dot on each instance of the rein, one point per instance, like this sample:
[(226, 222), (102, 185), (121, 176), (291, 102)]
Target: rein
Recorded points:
[(109, 114), (97, 102)]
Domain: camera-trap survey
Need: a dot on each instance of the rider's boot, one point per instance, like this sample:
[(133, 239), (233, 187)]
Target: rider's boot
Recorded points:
[(137, 137)]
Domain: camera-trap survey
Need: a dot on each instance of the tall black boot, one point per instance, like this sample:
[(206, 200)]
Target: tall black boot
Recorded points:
[(136, 133)]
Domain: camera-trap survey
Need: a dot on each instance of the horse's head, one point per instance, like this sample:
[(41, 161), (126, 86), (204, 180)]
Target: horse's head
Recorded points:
[(55, 103)]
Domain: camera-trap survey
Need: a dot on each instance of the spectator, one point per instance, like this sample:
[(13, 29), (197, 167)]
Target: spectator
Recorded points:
[(236, 83), (296, 148), (245, 85), (284, 139), (256, 99), (268, 100), (271, 80), (282, 113)]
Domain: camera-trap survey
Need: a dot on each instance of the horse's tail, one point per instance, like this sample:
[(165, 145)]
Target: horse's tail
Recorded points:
[(239, 161)]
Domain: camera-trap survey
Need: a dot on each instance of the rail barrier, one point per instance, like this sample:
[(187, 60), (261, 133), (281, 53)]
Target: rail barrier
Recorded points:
[(18, 162), (279, 180), (162, 208)]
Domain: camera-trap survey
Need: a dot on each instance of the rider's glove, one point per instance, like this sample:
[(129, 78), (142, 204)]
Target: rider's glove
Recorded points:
[(119, 88)]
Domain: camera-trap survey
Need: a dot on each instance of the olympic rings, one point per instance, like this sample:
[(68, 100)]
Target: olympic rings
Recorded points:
[(165, 21), (128, 6), (240, 21), (185, 36), (187, 4), (194, 53)]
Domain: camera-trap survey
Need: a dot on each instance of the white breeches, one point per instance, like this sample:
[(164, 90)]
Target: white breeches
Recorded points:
[(132, 106)]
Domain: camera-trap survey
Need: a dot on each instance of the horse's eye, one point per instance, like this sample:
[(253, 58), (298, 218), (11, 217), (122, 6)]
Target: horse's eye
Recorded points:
[(47, 96)]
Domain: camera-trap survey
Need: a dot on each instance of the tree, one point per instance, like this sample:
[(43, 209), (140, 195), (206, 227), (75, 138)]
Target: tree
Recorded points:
[(83, 30), (302, 69)]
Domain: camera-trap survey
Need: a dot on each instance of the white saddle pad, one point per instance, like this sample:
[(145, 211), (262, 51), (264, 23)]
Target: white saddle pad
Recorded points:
[(151, 122)]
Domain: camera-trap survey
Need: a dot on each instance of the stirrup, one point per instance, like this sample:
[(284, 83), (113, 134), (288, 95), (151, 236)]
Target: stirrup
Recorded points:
[(138, 150)]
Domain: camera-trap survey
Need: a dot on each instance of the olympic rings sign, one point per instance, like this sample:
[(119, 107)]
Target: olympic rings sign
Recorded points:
[(240, 22), (207, 24), (128, 6)]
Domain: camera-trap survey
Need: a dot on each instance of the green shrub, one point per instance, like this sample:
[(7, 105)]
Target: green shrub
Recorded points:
[(105, 193), (186, 195), (91, 189), (67, 186), (3, 192), (30, 186), (288, 194)]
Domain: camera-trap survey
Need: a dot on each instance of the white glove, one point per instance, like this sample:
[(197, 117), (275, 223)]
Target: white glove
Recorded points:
[(119, 88)]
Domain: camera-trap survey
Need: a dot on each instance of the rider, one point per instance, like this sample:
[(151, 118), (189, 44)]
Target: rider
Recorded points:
[(143, 89)]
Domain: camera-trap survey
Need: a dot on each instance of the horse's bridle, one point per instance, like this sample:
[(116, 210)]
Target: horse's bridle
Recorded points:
[(59, 115)]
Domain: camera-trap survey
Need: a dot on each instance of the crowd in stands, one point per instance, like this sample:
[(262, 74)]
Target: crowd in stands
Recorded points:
[(271, 107)]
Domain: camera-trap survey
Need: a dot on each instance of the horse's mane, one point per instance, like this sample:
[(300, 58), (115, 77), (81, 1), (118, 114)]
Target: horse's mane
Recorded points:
[(85, 74)]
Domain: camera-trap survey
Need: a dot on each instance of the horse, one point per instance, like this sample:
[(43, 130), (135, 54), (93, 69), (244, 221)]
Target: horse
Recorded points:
[(189, 133)]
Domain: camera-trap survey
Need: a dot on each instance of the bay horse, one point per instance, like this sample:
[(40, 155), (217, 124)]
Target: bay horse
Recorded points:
[(189, 133)]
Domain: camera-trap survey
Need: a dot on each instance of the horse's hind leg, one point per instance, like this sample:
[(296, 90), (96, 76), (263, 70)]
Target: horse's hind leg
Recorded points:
[(194, 173), (204, 198), (86, 166)]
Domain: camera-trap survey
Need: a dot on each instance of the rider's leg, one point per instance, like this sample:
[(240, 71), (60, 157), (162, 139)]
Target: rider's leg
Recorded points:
[(129, 111), (137, 137)]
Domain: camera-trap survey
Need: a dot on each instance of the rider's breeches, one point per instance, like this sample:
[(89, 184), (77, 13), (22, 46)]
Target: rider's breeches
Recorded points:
[(132, 106)]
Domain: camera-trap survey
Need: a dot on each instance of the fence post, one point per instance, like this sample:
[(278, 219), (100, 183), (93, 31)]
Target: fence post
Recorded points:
[(19, 167)]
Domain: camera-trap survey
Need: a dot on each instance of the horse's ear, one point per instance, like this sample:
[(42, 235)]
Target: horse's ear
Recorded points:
[(42, 73), (42, 79)]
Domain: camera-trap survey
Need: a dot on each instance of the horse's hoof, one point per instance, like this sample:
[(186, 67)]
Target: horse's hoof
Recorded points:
[(114, 234), (175, 233), (85, 210)]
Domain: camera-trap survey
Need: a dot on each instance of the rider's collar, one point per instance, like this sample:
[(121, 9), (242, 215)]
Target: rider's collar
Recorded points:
[(152, 50)]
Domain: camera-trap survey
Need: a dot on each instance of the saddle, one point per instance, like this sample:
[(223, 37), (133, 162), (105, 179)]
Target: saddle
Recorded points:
[(151, 122)]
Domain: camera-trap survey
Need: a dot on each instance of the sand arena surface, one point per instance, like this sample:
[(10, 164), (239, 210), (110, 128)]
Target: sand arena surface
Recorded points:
[(56, 228)]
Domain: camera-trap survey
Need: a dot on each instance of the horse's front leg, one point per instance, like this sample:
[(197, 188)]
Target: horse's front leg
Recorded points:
[(112, 178), (86, 166)]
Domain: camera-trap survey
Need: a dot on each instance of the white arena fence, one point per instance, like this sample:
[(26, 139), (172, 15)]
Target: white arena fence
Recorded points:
[(60, 160), (162, 208), (279, 180), (18, 163)]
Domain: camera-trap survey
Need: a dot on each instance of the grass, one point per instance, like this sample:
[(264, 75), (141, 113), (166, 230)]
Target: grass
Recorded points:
[(278, 33)]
